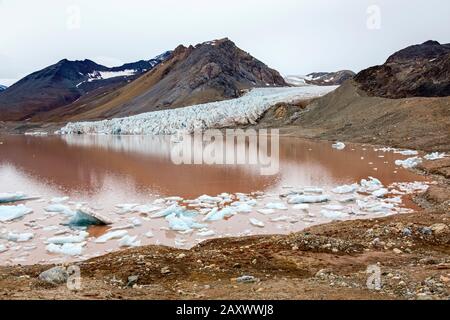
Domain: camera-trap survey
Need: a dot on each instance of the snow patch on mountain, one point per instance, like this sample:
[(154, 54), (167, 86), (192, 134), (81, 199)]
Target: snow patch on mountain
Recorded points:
[(3, 87), (241, 111)]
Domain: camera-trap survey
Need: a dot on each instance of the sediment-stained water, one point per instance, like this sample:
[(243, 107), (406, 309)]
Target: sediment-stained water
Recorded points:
[(104, 172)]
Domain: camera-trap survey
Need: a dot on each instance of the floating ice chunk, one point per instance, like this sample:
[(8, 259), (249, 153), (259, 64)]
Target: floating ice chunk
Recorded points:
[(123, 227), (69, 239), (435, 156), (266, 211), (183, 223), (85, 217), (145, 209), (370, 185), (313, 190), (217, 214), (308, 199), (208, 199), (69, 249), (206, 233), (407, 152), (279, 219), (334, 215), (347, 199), (17, 237), (409, 163), (276, 206), (301, 206), (126, 207), (136, 222), (60, 208), (346, 189), (175, 208), (9, 213), (59, 200), (117, 234), (149, 234), (333, 207), (375, 206), (257, 223), (174, 199), (411, 187), (397, 200), (129, 241), (242, 207), (380, 193), (339, 146), (13, 197)]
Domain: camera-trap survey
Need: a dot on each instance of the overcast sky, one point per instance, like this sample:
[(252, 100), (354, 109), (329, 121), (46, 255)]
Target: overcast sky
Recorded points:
[(292, 36)]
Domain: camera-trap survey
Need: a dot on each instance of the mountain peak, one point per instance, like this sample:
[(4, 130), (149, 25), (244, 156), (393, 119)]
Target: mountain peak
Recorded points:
[(421, 70)]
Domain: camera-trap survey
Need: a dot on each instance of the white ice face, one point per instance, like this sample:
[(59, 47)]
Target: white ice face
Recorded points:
[(241, 111)]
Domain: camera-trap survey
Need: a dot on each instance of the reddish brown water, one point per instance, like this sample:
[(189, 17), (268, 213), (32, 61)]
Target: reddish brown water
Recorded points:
[(108, 170)]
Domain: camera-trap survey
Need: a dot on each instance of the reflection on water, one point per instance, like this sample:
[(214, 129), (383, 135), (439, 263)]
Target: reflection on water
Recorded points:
[(108, 170), (141, 165)]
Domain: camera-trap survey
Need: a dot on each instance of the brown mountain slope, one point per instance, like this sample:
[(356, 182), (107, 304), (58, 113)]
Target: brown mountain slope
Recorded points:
[(417, 71), (350, 114), (403, 104), (210, 71)]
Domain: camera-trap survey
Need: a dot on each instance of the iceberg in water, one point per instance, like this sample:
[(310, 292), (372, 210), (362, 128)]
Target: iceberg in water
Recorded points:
[(17, 237), (129, 241), (9, 213), (183, 223), (215, 214), (85, 217), (13, 197), (409, 163), (276, 206), (339, 146), (435, 156), (70, 249), (346, 189), (308, 199), (118, 234), (257, 223), (60, 208), (333, 215), (69, 239)]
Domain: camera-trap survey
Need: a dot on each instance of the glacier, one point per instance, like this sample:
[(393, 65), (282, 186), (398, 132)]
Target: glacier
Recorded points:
[(214, 115)]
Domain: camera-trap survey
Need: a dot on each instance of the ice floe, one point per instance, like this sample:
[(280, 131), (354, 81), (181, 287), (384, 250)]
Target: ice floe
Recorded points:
[(9, 213), (298, 199), (86, 217), (276, 206), (346, 189), (257, 223), (339, 146), (17, 237), (333, 215), (118, 234), (129, 241), (409, 163), (435, 156), (14, 197), (70, 249), (60, 208), (81, 237)]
